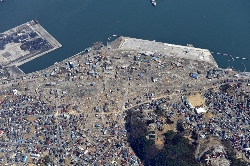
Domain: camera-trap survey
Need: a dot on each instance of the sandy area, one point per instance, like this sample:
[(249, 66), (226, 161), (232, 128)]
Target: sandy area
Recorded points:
[(196, 100), (208, 115), (31, 118), (67, 162)]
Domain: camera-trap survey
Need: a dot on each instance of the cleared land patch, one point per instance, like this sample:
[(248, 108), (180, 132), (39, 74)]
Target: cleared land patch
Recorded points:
[(196, 100)]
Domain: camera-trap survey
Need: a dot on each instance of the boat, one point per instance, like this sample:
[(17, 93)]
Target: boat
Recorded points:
[(36, 21), (153, 2)]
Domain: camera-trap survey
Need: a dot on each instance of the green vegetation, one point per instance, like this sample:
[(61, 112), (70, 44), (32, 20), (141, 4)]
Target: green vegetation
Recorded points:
[(169, 135), (169, 121), (179, 126), (47, 160), (234, 161), (176, 152), (159, 112), (137, 134), (194, 135)]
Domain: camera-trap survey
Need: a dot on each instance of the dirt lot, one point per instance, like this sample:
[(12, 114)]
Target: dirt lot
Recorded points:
[(31, 118), (2, 97), (31, 134), (196, 100), (208, 115), (159, 142), (67, 161)]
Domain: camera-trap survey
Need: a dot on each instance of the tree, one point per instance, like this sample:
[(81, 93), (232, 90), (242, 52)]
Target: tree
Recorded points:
[(179, 126), (169, 136), (169, 121), (141, 146), (152, 151), (194, 135), (47, 160), (159, 112), (176, 152)]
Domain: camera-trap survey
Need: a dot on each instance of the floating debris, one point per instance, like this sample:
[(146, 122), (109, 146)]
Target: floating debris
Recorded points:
[(245, 69), (231, 57)]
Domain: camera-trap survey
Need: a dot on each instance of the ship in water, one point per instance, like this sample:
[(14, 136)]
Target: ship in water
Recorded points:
[(153, 2)]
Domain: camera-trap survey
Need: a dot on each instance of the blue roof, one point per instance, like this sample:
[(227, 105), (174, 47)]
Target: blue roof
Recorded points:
[(194, 75), (88, 49), (24, 158), (154, 58)]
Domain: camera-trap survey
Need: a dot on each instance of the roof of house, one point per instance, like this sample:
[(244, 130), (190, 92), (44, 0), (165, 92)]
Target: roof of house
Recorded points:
[(200, 110)]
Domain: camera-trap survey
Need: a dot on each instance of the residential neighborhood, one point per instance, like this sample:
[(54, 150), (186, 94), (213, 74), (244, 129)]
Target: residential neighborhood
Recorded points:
[(74, 112)]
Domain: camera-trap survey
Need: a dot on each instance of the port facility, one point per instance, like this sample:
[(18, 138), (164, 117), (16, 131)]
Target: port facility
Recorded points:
[(24, 43)]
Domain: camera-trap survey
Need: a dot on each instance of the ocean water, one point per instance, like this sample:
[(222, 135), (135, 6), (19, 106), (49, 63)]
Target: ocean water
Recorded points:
[(218, 25)]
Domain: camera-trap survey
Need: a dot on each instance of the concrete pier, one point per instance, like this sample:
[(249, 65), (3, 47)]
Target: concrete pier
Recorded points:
[(186, 52), (24, 43)]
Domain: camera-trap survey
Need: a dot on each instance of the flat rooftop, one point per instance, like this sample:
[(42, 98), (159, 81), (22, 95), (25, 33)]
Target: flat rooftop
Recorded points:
[(25, 43), (178, 51)]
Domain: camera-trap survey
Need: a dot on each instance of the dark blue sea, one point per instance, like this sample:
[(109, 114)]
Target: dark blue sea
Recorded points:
[(219, 25)]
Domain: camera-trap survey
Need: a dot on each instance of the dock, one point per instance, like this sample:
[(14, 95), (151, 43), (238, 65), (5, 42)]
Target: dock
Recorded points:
[(24, 43), (172, 50)]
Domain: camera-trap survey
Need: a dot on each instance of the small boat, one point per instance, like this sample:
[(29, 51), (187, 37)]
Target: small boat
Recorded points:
[(237, 57), (36, 21), (190, 45), (153, 2)]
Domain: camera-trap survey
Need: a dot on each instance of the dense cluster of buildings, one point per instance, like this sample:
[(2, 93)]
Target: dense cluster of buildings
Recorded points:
[(72, 113)]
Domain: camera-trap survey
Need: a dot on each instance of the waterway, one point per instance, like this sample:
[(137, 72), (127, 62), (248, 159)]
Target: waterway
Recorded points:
[(220, 26)]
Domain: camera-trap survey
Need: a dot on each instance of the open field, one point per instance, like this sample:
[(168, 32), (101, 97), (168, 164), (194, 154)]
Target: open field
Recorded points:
[(196, 100)]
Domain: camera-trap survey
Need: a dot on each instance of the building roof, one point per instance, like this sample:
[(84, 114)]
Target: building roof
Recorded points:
[(194, 75), (200, 110)]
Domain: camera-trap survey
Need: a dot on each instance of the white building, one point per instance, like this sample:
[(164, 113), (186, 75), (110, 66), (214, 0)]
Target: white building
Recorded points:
[(200, 110)]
